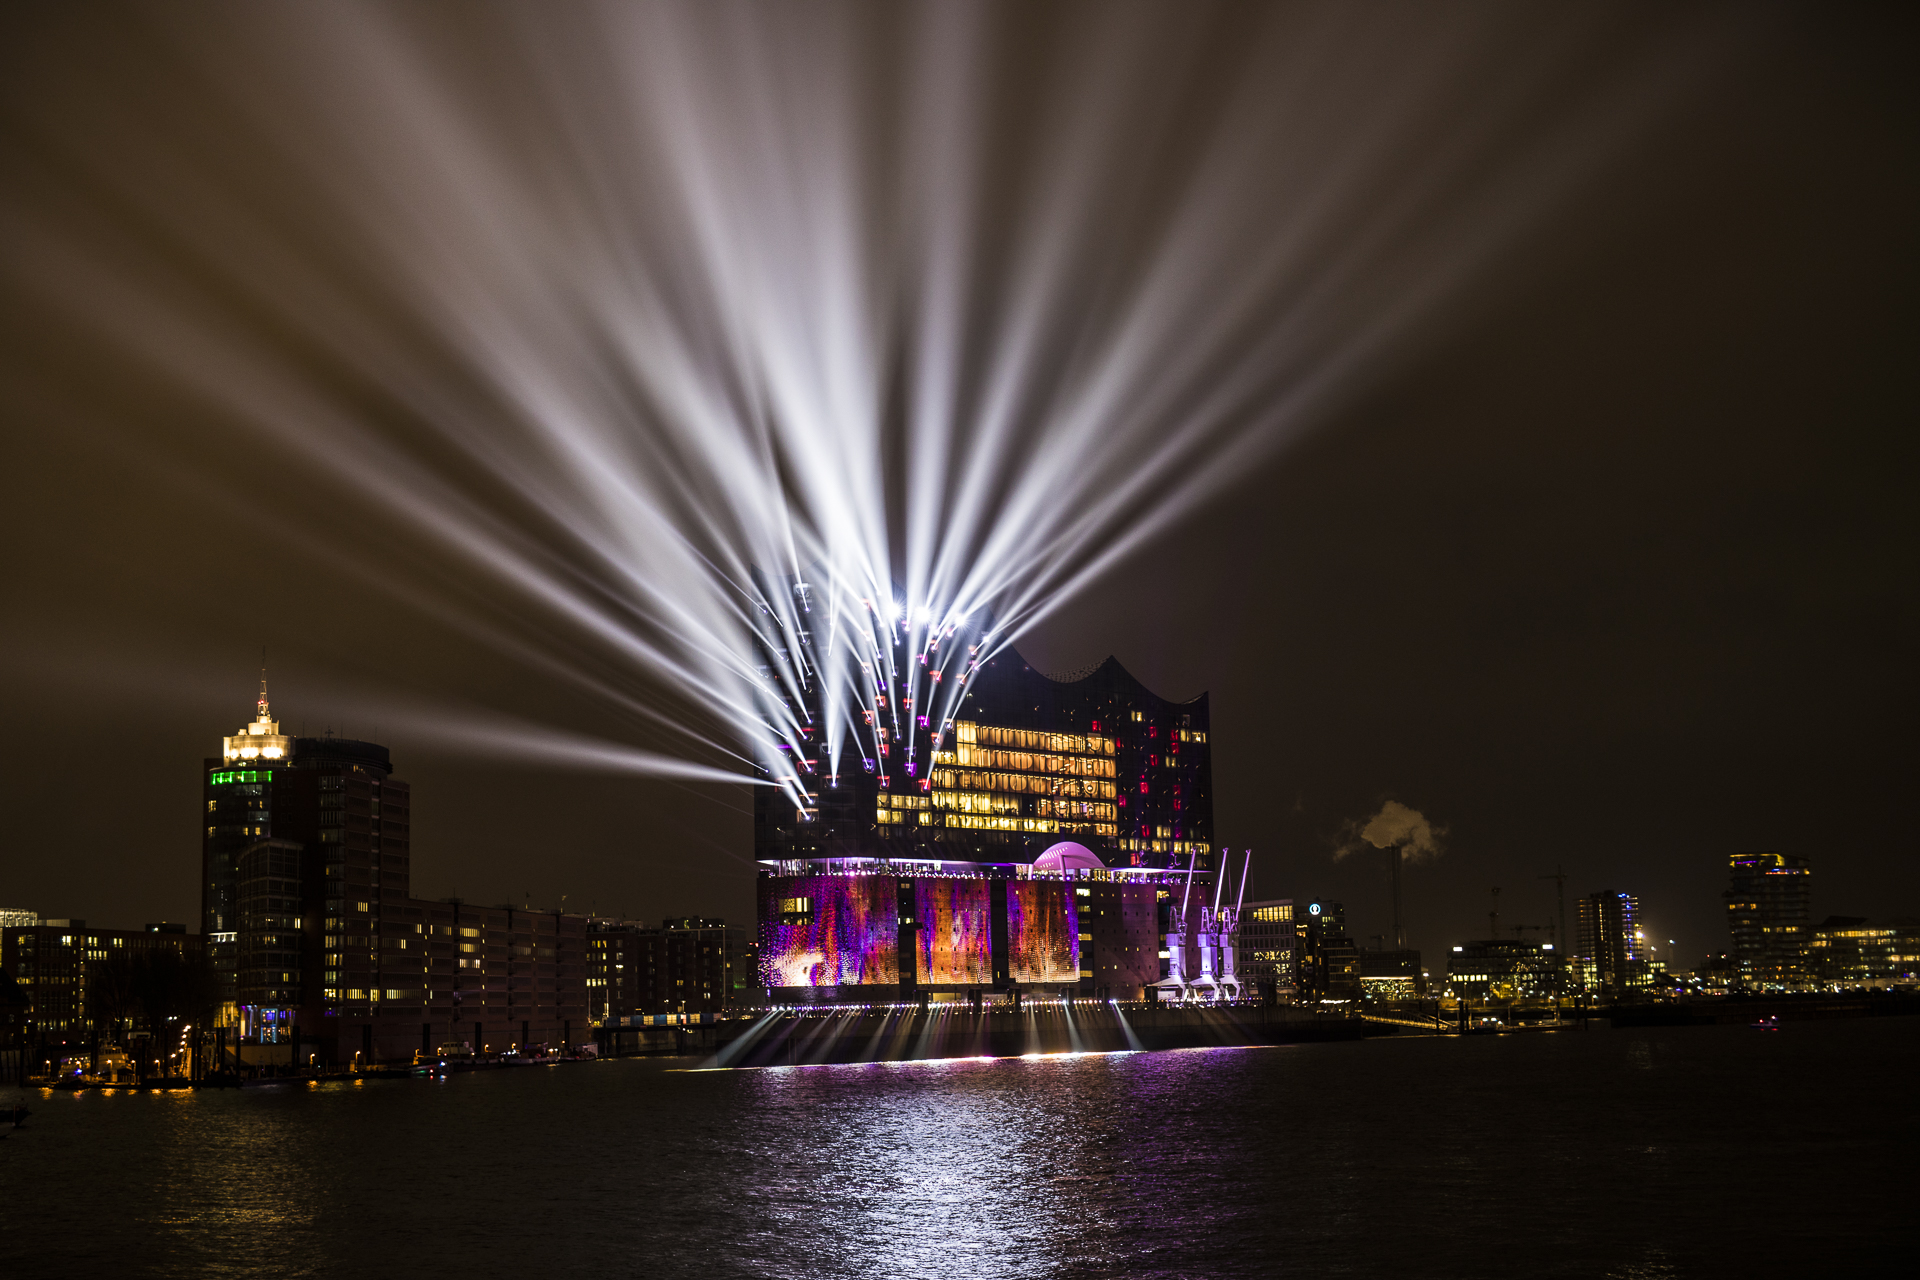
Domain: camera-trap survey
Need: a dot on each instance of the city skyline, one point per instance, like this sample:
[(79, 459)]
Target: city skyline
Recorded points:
[(1605, 569), (960, 638), (1646, 943)]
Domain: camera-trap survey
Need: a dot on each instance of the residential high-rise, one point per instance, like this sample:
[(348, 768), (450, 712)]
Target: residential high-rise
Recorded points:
[(1607, 947), (1768, 916)]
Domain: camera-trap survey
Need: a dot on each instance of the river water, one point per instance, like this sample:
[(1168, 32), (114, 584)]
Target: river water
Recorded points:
[(1705, 1151)]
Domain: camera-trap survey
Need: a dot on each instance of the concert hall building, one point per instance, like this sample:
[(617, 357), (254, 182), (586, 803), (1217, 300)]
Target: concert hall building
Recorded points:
[(913, 861)]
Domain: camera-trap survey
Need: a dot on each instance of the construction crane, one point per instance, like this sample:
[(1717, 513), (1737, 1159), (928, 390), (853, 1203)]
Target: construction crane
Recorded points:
[(1559, 877)]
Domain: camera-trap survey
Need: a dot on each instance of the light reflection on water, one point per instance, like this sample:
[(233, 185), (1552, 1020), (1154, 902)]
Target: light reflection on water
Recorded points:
[(1584, 1154)]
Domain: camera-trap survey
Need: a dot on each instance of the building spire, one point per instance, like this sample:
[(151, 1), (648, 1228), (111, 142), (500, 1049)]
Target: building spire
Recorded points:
[(261, 741)]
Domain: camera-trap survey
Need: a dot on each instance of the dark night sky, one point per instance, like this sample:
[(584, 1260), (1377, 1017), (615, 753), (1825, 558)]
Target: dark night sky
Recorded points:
[(1614, 571)]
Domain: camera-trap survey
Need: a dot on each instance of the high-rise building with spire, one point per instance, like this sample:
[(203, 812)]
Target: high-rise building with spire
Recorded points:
[(307, 908), (283, 818)]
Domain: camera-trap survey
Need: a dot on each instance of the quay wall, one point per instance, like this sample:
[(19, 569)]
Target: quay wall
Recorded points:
[(910, 1033)]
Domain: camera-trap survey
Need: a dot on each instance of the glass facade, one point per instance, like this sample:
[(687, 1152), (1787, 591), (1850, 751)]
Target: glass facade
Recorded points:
[(951, 754)]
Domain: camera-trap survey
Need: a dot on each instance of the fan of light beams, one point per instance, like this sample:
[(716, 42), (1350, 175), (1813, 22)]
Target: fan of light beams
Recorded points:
[(649, 314)]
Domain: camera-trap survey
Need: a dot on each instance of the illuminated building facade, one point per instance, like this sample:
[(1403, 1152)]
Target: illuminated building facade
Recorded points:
[(686, 965), (309, 919), (294, 828), (869, 929), (1845, 953), (1267, 946), (1504, 969), (1329, 963), (1768, 916), (58, 964), (1392, 974), (1608, 943), (950, 756)]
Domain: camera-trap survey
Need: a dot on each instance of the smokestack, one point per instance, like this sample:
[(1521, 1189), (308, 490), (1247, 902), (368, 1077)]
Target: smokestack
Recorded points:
[(1399, 934)]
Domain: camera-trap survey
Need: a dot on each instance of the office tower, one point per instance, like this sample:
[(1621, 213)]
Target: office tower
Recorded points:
[(1329, 965), (309, 918)]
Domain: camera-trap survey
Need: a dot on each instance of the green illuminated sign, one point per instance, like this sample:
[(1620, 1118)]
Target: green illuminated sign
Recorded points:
[(220, 776)]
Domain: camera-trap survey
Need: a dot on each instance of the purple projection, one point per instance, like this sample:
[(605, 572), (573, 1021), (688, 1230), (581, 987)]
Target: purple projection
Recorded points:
[(830, 931), (955, 938), (1043, 931)]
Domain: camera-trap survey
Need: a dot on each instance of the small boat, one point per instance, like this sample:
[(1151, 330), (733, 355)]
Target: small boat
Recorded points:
[(12, 1117), (1769, 1023)]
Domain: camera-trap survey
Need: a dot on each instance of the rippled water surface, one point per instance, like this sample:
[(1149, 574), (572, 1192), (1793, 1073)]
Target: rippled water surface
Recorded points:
[(1697, 1151)]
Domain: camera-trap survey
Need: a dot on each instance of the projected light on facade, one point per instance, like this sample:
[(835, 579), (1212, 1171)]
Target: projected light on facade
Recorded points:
[(873, 928), (830, 931), (1043, 932), (955, 943)]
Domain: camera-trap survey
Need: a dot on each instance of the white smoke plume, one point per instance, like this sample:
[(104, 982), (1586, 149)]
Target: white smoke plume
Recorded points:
[(1394, 826)]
